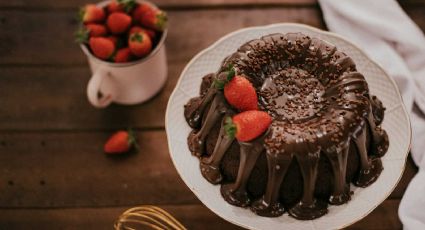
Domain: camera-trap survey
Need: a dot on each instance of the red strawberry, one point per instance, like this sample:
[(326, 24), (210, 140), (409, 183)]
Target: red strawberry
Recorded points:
[(96, 30), (140, 10), (118, 22), (120, 142), (140, 44), (240, 93), (149, 32), (92, 13), (248, 125), (101, 47), (123, 55), (121, 5), (154, 19), (114, 6)]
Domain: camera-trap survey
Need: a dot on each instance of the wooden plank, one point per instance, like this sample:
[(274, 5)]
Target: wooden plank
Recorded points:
[(52, 40), (178, 4), (37, 98), (408, 174), (71, 170), (194, 216), (168, 4)]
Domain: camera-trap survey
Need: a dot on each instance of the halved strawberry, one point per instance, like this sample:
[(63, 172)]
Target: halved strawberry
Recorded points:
[(118, 22), (140, 44), (240, 93), (102, 47), (120, 142), (248, 125), (123, 55), (91, 13)]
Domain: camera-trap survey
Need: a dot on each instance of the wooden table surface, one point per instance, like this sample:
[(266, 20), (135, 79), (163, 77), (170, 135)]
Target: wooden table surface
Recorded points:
[(53, 173)]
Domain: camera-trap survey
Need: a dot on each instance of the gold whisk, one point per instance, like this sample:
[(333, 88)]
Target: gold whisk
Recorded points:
[(147, 215)]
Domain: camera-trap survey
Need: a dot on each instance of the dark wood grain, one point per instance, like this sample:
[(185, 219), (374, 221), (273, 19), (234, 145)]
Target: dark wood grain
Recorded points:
[(196, 216), (179, 4), (69, 169), (52, 39), (53, 173), (54, 98)]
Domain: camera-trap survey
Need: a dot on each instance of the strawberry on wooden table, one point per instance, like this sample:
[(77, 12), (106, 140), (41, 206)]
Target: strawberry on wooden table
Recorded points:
[(123, 55), (248, 125), (120, 142), (240, 93), (91, 13), (140, 44), (101, 47), (118, 22)]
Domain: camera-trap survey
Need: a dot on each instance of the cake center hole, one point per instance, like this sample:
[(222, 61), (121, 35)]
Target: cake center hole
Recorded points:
[(292, 94)]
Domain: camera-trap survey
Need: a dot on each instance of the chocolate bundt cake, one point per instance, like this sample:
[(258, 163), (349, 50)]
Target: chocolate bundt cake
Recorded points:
[(325, 132)]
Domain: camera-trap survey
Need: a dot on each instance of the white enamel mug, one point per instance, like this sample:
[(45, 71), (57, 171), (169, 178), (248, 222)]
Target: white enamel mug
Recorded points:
[(126, 83)]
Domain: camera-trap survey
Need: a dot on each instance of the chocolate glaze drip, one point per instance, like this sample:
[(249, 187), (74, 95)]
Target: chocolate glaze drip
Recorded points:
[(338, 157), (320, 106), (196, 107), (370, 168), (196, 140), (268, 204), (308, 207), (210, 166), (236, 193)]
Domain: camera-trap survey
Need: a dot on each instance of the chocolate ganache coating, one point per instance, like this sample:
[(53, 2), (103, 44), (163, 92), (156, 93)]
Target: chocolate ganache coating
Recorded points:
[(325, 132)]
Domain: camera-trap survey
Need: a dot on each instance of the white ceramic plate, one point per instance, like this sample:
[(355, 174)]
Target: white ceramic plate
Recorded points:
[(396, 123)]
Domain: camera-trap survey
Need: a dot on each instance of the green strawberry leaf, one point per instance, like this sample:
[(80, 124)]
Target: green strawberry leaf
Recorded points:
[(136, 37), (231, 73), (161, 20), (229, 127), (219, 84), (82, 35), (128, 5), (132, 141)]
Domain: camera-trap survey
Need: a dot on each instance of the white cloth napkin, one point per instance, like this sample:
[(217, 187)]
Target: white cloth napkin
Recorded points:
[(385, 32)]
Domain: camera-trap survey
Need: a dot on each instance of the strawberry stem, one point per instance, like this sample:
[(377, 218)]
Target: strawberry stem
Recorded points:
[(229, 127), (128, 5), (219, 83), (82, 35), (132, 139)]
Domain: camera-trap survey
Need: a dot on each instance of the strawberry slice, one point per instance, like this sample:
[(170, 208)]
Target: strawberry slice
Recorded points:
[(247, 125), (120, 142)]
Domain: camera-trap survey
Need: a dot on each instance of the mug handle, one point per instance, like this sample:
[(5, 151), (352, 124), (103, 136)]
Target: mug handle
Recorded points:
[(93, 89)]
